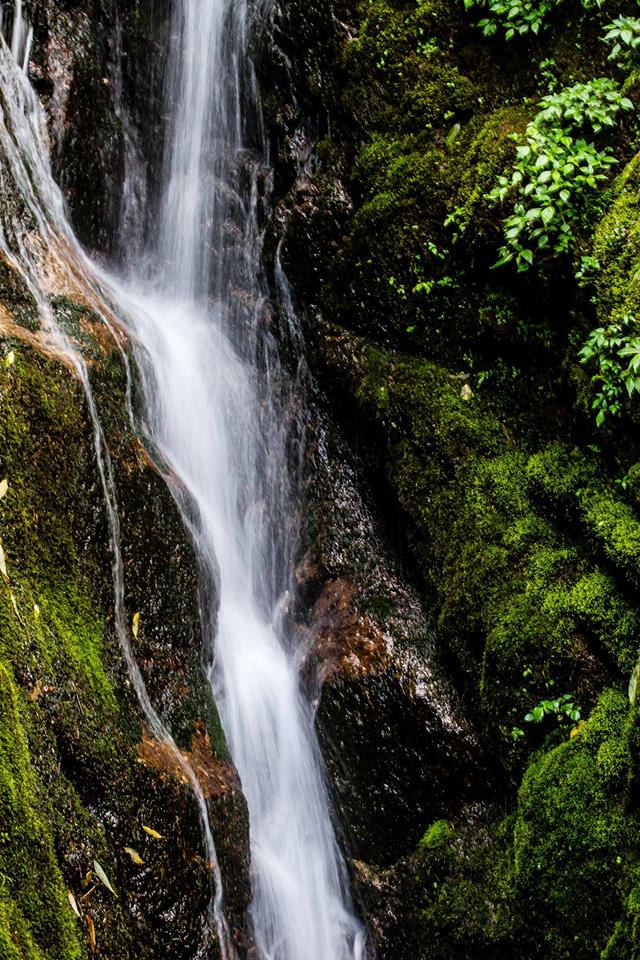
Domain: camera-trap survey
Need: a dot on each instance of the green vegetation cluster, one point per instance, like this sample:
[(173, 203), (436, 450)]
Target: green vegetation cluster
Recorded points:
[(517, 17), (502, 401), (557, 171)]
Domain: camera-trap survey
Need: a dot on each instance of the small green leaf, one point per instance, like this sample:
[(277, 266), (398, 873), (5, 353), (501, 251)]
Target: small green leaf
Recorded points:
[(103, 877)]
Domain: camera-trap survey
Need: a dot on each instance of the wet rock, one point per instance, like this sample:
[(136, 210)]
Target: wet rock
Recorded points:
[(398, 746)]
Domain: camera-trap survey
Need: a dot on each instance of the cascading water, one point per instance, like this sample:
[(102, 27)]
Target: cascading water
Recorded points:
[(215, 413), (40, 233)]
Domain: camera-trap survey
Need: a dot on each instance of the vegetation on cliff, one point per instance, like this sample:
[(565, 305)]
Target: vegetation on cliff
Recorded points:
[(480, 325)]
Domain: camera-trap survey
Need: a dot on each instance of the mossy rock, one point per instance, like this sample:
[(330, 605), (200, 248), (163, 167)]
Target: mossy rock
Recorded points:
[(558, 875)]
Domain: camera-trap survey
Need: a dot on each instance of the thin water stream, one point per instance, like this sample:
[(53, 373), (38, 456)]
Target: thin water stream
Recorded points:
[(215, 410)]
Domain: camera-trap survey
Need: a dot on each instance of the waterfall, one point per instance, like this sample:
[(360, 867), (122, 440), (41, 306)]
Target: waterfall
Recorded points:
[(215, 409), (215, 413)]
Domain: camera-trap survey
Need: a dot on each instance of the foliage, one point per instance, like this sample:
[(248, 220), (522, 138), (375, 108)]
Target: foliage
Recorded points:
[(516, 17), (624, 34), (597, 103), (616, 356), (556, 171), (562, 707), (512, 16)]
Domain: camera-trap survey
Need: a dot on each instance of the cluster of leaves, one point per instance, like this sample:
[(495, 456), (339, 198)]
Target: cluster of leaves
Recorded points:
[(512, 16), (556, 170), (563, 708), (516, 17), (624, 34), (616, 356)]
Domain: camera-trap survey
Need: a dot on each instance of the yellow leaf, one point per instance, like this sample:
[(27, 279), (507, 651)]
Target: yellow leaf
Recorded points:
[(9, 359), (153, 833), (72, 901), (135, 856), (36, 610), (135, 626), (37, 691), (466, 393), (92, 933), (4, 486)]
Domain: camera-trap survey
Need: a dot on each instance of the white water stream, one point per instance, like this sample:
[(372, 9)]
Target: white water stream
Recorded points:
[(214, 411)]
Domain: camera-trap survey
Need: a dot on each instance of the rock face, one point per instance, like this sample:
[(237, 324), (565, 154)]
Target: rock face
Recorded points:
[(471, 548), (466, 415)]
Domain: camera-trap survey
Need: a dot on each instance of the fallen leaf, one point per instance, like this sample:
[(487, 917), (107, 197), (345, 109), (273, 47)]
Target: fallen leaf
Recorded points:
[(135, 856), (466, 393), (135, 626), (3, 564), (103, 877), (37, 690), (92, 933), (9, 359), (74, 905), (153, 833), (4, 486), (633, 684)]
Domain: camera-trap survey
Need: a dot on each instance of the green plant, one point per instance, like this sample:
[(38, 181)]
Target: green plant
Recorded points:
[(564, 708), (624, 34), (556, 171), (616, 356), (516, 17), (586, 270), (596, 103), (512, 16)]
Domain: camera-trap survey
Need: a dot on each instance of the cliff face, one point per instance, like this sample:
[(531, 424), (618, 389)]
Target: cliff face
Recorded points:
[(471, 557), (462, 393)]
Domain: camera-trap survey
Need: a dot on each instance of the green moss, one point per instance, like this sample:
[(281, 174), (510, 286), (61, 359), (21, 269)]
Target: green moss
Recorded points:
[(617, 247), (615, 527), (574, 839), (438, 834), (14, 291), (35, 916), (553, 877), (515, 547)]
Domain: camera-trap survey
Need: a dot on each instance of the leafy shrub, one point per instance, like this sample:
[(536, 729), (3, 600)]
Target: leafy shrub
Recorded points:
[(512, 16), (516, 17), (608, 349), (597, 103), (556, 171), (624, 34)]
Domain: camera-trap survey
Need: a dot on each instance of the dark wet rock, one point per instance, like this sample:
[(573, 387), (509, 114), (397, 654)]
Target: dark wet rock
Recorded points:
[(399, 748)]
